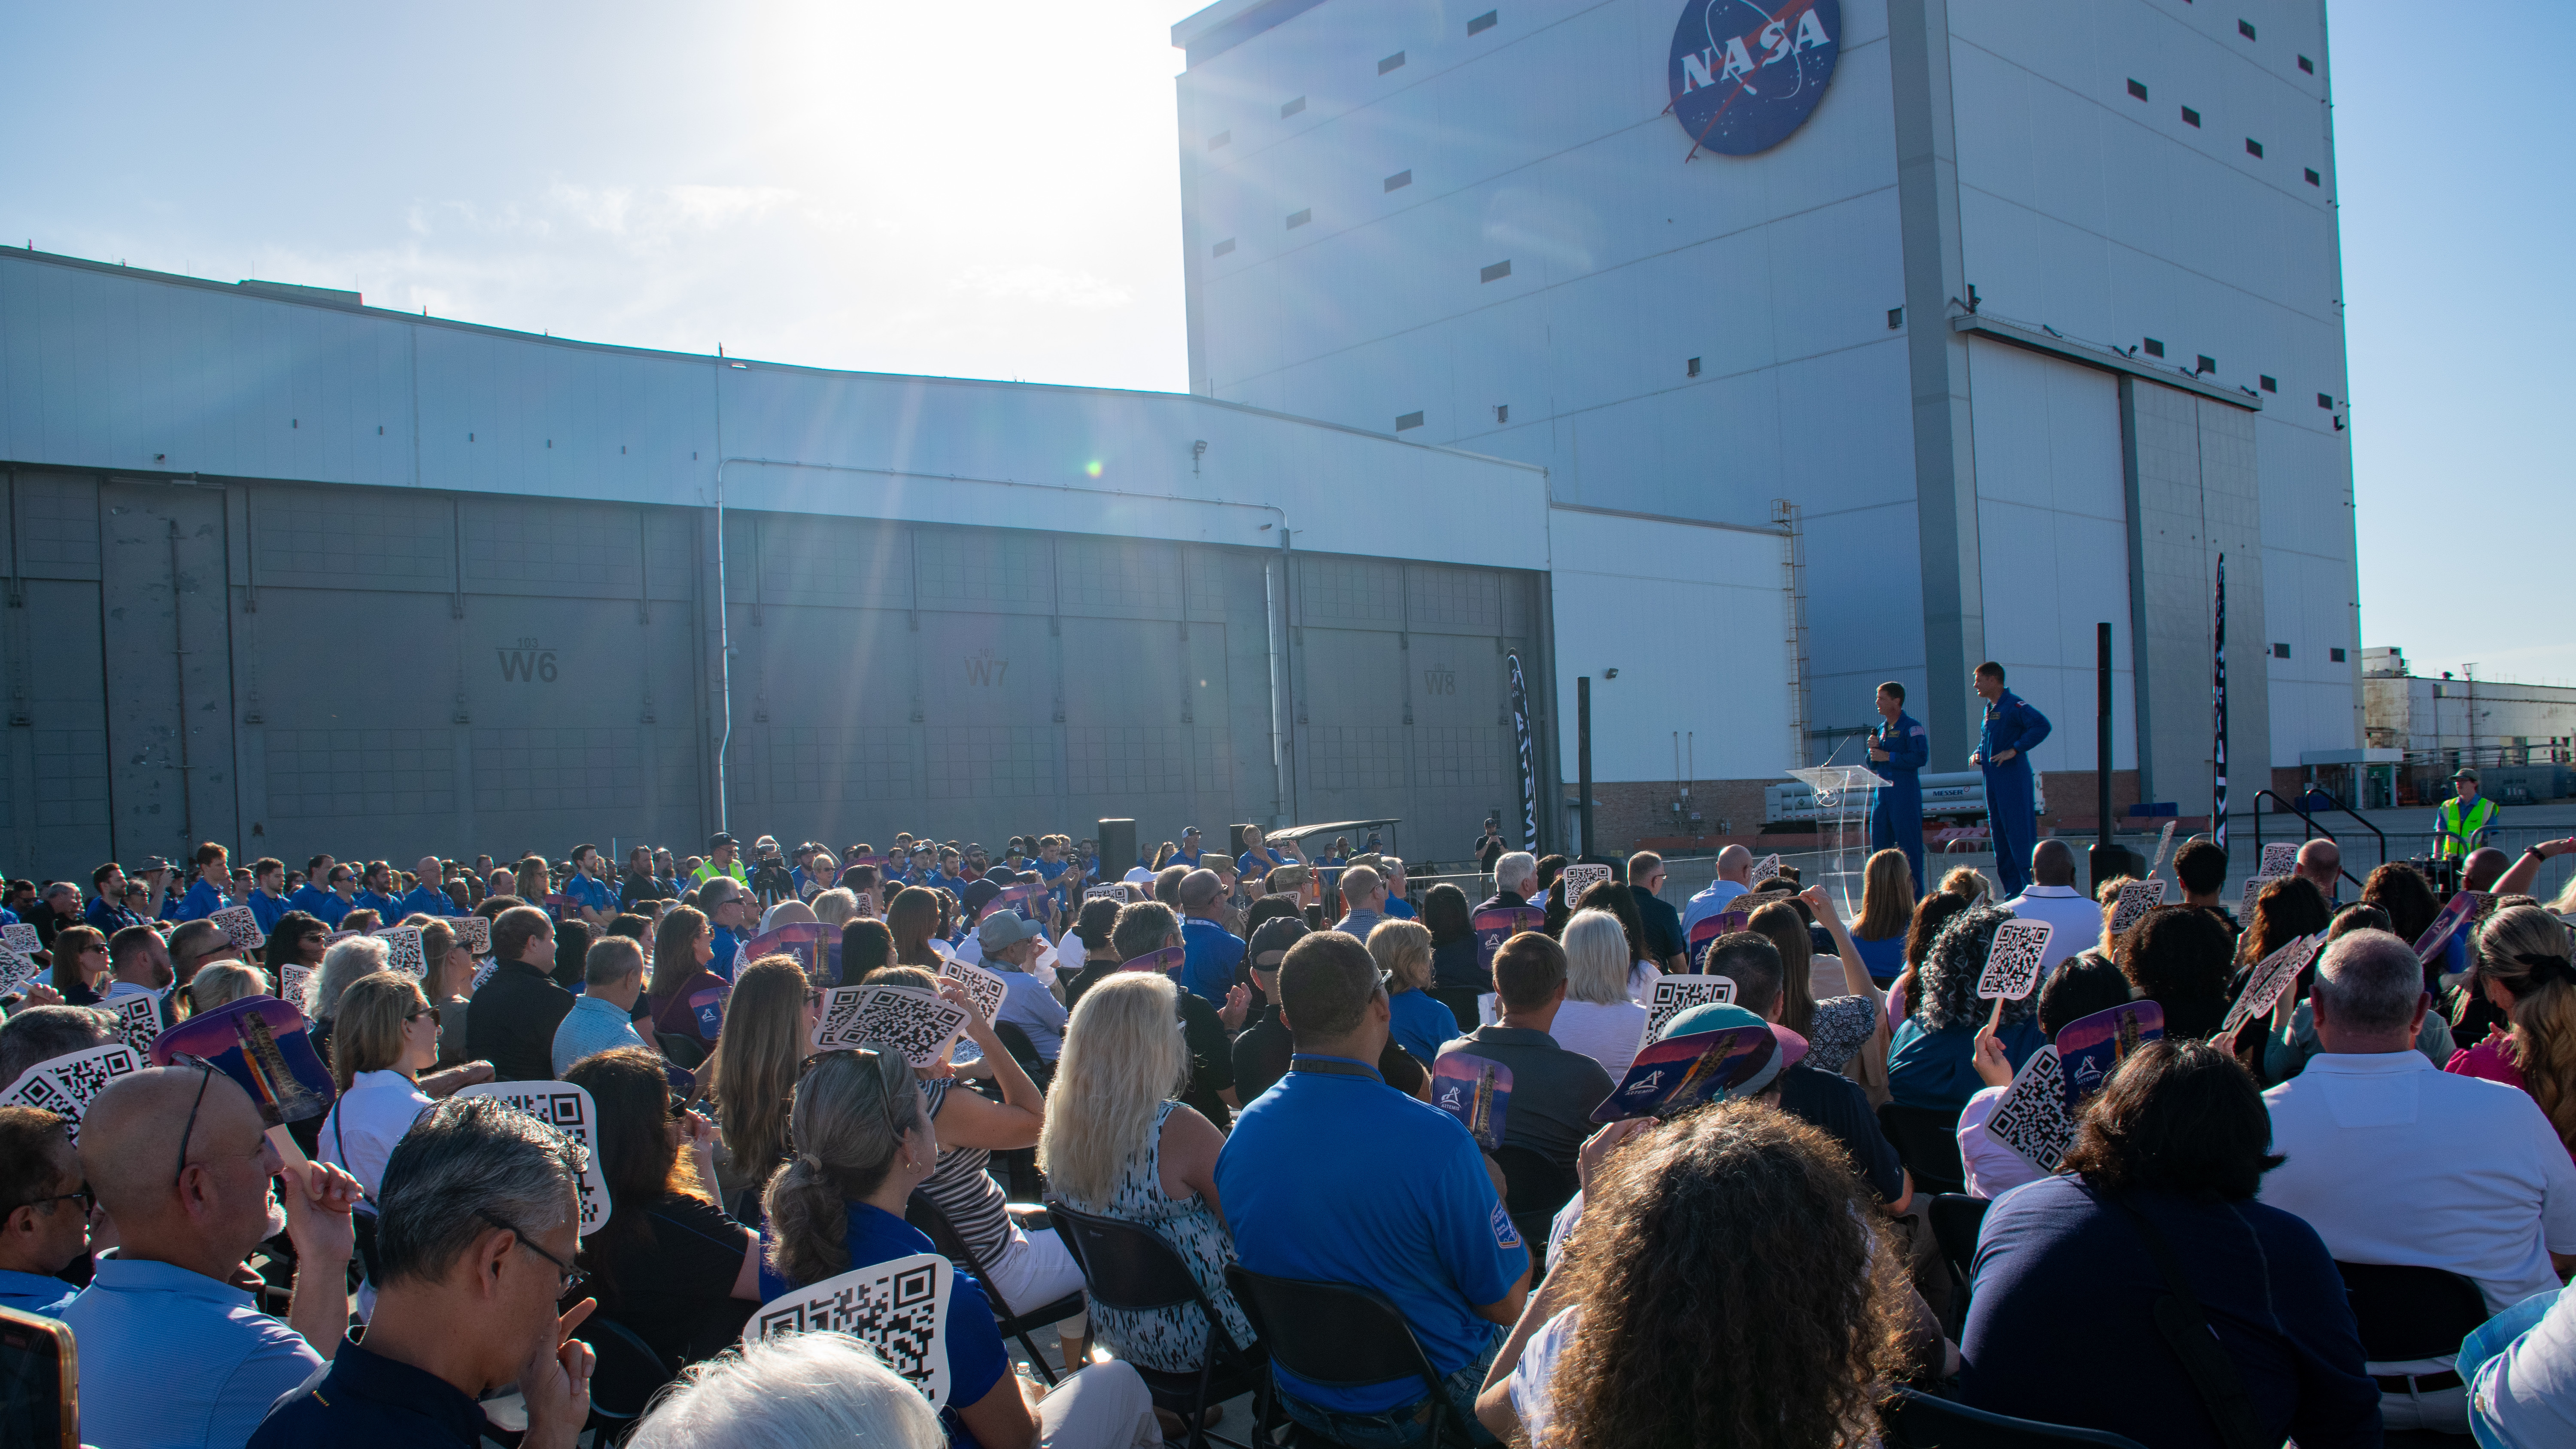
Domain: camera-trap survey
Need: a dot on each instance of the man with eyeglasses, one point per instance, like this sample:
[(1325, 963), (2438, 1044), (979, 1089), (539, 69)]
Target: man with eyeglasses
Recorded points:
[(339, 897), (172, 1349), (728, 907), (47, 1207), (477, 1226)]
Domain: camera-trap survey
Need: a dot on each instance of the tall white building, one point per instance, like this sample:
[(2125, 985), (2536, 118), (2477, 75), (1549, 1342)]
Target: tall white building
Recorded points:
[(2032, 308)]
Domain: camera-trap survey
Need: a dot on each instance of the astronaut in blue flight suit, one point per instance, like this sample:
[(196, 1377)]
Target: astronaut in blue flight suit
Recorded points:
[(2012, 728), (1898, 750)]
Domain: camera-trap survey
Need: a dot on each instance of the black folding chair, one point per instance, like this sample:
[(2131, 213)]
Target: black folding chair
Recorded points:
[(626, 1377), (1340, 1336), (1132, 1269), (683, 1052), (1956, 1219), (1916, 1420), (2410, 1312), (1927, 1141), (1534, 1190), (924, 1214)]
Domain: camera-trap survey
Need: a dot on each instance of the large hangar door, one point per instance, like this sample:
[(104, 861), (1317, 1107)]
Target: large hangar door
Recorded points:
[(829, 678), (168, 662), (991, 681), (1465, 759), (53, 774), (1147, 691)]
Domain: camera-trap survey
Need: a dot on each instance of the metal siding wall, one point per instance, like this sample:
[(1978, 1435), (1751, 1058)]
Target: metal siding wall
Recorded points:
[(162, 570), (400, 671), (53, 768)]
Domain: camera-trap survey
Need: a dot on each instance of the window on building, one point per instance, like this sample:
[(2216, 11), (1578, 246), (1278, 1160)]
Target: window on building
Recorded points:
[(1297, 219), (2313, 178), (2307, 65), (2155, 348), (2253, 147), (1224, 246), (2324, 401), (2138, 90), (2335, 654), (1484, 22), (2245, 28), (2280, 651), (1399, 180), (1496, 272), (1408, 420), (1292, 108), (1691, 368), (2270, 384), (2190, 117), (2205, 363), (1895, 318), (1219, 139), (1502, 412), (1392, 62)]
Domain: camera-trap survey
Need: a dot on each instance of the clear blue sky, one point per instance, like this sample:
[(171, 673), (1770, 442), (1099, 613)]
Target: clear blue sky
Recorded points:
[(990, 191)]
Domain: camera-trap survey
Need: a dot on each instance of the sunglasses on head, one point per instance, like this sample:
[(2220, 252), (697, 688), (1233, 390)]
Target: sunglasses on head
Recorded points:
[(885, 1103)]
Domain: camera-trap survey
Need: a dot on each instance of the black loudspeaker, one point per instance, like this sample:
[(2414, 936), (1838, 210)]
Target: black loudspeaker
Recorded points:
[(1117, 848), (1235, 844)]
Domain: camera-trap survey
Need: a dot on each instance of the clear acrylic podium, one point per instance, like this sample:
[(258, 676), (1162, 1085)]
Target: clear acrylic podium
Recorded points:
[(1844, 794)]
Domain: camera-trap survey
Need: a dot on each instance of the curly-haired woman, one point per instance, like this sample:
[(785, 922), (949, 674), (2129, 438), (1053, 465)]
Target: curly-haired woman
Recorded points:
[(1931, 1061), (1738, 1205)]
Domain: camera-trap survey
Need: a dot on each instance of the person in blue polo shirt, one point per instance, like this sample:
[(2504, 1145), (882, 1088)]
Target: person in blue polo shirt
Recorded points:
[(1189, 854), (1334, 1176), (267, 905), (1257, 858), (47, 1225), (339, 897), (377, 895), (107, 911), (1213, 951), (430, 897), (593, 898), (207, 896), (316, 889)]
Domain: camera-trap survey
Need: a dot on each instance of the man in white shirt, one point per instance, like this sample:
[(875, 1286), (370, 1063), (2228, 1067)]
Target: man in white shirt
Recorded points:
[(2394, 1161), (1734, 864), (2075, 921)]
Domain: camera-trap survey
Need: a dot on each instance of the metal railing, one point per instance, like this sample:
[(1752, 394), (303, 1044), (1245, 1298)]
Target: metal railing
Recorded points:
[(2314, 830)]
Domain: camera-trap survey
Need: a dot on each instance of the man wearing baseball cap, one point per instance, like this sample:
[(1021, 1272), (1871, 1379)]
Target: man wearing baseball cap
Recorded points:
[(1189, 854), (2461, 823), (1010, 942), (723, 858)]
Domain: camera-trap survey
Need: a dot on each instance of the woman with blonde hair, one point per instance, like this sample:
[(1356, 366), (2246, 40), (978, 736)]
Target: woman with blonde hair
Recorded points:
[(534, 884), (836, 907), (450, 987), (1967, 883), (863, 1145), (768, 1020), (223, 983), (1886, 913), (2523, 967), (1598, 1019), (384, 1037), (1118, 1144), (1420, 1025), (342, 965)]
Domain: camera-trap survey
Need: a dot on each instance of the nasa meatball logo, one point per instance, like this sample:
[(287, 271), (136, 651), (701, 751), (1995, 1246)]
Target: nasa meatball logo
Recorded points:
[(1744, 76)]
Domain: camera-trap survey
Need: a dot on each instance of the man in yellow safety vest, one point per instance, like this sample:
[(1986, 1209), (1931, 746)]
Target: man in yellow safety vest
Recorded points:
[(2460, 824)]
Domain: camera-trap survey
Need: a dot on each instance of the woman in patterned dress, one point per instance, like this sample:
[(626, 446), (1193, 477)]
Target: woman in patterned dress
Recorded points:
[(1117, 1144)]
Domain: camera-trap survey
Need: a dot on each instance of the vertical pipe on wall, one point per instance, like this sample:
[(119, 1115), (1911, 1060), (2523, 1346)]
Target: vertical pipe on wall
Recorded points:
[(1583, 757), (2102, 749)]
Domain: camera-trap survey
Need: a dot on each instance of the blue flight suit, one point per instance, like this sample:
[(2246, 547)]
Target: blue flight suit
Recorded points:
[(1896, 814), (2011, 725)]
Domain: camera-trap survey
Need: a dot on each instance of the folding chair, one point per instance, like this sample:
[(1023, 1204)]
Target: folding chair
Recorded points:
[(1338, 1335), (1916, 1420), (1132, 1269), (924, 1214), (1927, 1140), (1461, 1001), (627, 1376), (2407, 1313), (1534, 1190)]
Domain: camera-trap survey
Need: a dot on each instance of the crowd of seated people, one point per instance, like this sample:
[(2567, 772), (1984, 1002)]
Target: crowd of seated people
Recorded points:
[(1248, 1079)]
